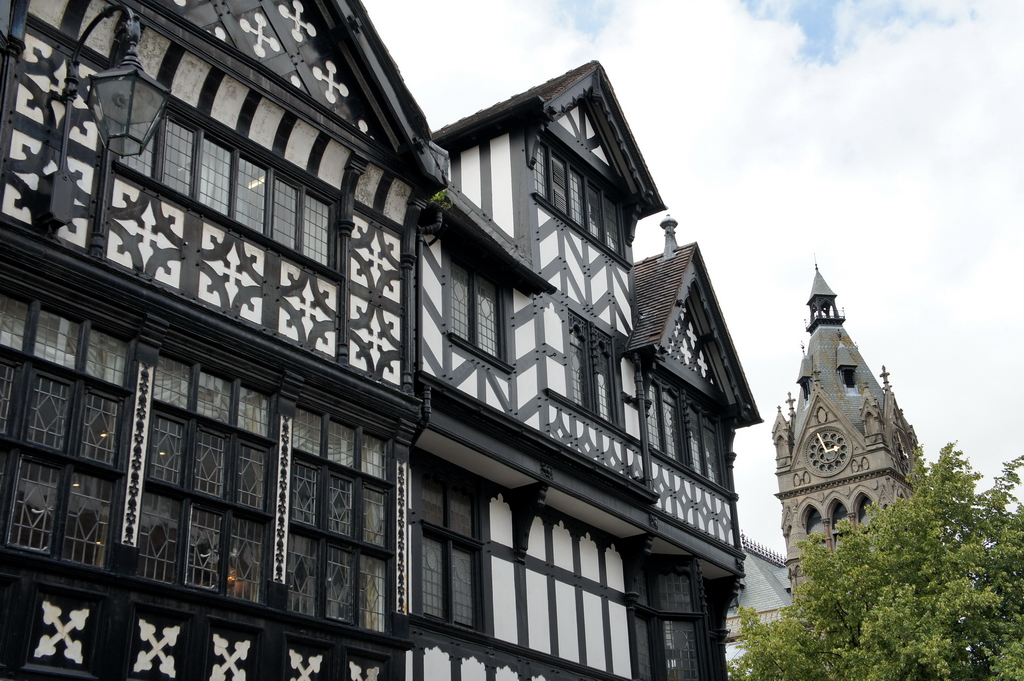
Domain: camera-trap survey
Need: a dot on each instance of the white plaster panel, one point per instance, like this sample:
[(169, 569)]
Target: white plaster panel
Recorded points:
[(525, 338), (505, 674), (565, 611), (473, 670), (628, 375), (520, 300), (526, 386), (265, 123), (613, 569), (554, 329), (599, 152), (490, 395), (227, 103), (503, 577), (556, 375), (433, 339), (538, 613), (548, 248), (437, 665), (534, 421), (536, 546), (470, 160), (151, 49), (300, 143), (408, 666), (235, 276), (590, 566), (397, 201), (576, 269), (332, 163), (622, 300), (567, 120), (366, 188), (594, 623), (103, 35), (469, 384), (598, 282), (620, 639), (431, 280), (501, 184), (50, 11), (632, 417), (189, 77), (500, 516), (561, 545)]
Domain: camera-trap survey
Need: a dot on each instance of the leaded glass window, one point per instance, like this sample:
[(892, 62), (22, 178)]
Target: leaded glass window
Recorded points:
[(374, 516), (57, 339), (214, 397), (171, 382), (251, 471), (158, 537), (653, 424), (577, 363), (540, 172), (253, 411), (209, 465), (6, 385), (88, 518), (681, 651), (106, 357), (245, 560), (214, 176), (340, 520), (13, 315), (98, 435), (340, 444), (558, 183), (668, 414), (302, 586), (674, 592), (286, 206), (177, 167), (204, 548), (303, 486), (250, 194), (372, 593), (448, 552), (460, 301), (48, 420), (165, 448), (315, 223), (35, 500), (666, 630), (486, 316), (475, 309), (643, 649), (306, 431), (339, 584), (374, 456), (576, 196)]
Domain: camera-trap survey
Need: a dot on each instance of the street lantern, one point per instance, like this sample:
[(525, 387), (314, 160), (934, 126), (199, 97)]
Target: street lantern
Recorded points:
[(126, 103)]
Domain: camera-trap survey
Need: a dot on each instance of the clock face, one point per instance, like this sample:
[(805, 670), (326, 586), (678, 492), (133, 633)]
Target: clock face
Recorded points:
[(828, 452)]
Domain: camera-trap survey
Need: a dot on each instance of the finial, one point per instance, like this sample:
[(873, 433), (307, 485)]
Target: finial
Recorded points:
[(885, 378), (790, 401), (815, 262), (669, 224), (802, 349)]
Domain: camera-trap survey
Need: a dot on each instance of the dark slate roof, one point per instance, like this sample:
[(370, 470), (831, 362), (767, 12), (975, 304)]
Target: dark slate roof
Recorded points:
[(544, 93), (819, 287), (657, 282)]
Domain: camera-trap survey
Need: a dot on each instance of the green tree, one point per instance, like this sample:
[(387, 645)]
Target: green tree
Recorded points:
[(931, 588)]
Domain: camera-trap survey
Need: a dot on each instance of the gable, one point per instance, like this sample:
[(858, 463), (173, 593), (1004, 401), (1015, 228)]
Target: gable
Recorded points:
[(580, 125), (689, 342), (293, 40)]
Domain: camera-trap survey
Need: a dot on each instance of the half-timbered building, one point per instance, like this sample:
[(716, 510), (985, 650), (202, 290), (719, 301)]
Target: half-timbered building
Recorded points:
[(302, 391)]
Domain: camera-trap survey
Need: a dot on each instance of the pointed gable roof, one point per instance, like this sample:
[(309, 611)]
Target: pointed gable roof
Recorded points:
[(660, 282), (550, 101), (819, 287)]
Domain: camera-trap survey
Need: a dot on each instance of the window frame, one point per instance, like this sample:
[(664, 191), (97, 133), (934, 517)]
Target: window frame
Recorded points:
[(471, 338), (693, 424), (598, 353), (185, 409), (88, 363), (578, 208), (154, 170), (451, 540), (324, 538), (655, 615)]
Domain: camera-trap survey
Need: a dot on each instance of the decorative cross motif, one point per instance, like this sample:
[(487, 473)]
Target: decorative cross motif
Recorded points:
[(156, 648), (357, 672), (297, 19), (241, 651), (702, 363), (328, 78), (48, 644), (691, 334), (305, 672), (261, 37)]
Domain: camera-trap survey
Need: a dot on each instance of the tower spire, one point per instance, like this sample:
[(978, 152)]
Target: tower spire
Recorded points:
[(823, 304)]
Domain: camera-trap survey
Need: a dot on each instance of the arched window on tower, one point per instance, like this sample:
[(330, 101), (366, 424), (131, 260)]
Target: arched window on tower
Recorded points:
[(863, 517), (814, 522), (838, 514)]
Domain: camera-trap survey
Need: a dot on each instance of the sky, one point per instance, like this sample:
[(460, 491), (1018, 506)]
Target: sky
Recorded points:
[(882, 139)]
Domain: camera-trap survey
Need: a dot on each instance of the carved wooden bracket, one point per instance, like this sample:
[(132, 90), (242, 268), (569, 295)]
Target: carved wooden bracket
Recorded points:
[(526, 503)]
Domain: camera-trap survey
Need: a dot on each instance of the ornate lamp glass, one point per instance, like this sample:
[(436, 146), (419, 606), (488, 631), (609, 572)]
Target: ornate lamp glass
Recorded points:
[(127, 104)]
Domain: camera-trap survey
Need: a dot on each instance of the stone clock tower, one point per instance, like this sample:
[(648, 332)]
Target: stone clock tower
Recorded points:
[(844, 443)]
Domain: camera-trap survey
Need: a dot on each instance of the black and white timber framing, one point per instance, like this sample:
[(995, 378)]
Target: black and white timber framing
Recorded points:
[(267, 411)]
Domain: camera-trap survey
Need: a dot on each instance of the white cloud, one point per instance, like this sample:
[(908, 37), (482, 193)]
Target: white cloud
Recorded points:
[(899, 166)]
